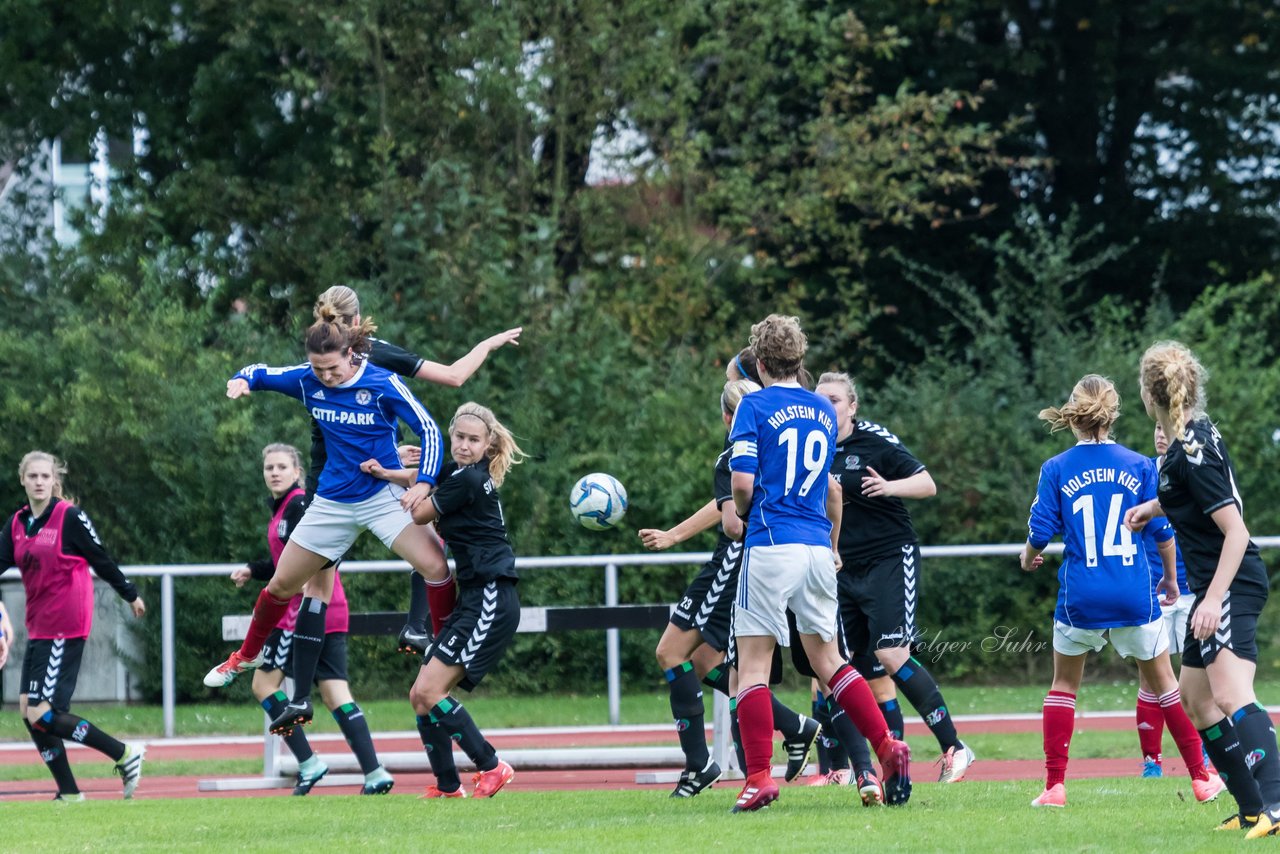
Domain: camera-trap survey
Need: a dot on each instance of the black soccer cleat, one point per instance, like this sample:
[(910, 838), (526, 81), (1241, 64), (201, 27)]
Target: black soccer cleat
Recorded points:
[(295, 714), (693, 781), (413, 642), (798, 747)]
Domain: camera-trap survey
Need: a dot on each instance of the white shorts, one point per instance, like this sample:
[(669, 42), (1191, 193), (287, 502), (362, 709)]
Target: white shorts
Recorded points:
[(329, 528), (1175, 621), (775, 578), (1141, 642)]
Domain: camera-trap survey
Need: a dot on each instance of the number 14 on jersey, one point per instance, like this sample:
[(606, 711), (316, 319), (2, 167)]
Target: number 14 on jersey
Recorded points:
[(1117, 541)]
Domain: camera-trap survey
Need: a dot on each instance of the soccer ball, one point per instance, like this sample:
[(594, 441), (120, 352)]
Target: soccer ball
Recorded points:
[(598, 501)]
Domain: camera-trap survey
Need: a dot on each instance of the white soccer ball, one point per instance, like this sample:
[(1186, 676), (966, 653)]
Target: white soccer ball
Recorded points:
[(598, 501)]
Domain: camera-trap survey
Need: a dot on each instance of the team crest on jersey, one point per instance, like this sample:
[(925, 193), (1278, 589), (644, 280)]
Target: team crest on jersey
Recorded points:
[(853, 461), (363, 397)]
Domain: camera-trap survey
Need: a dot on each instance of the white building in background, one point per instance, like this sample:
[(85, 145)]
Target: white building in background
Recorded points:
[(52, 189)]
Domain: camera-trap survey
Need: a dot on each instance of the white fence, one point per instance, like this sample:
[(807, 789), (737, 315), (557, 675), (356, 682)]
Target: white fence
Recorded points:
[(609, 563)]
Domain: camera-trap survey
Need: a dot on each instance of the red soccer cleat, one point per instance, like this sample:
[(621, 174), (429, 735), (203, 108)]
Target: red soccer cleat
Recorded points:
[(759, 791), (489, 783), (436, 792)]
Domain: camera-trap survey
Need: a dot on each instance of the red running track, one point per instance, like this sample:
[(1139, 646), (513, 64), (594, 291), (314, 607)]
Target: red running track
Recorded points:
[(922, 769)]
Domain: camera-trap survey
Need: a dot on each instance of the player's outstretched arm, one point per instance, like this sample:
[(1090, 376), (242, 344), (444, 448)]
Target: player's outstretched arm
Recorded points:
[(460, 371), (918, 485), (704, 519)]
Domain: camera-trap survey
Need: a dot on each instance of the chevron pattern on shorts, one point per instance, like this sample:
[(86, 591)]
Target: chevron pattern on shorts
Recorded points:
[(718, 584), (282, 649), (488, 609), (53, 670), (909, 588)]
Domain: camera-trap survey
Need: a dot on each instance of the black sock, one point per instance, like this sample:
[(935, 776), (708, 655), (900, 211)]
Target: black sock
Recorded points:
[(77, 729), (308, 640), (826, 741), (418, 610), (785, 720), (457, 722), (296, 741), (688, 711), (1223, 745), (922, 692), (853, 741), (439, 749), (1258, 739), (736, 732), (355, 729), (717, 678), (893, 717), (54, 754)]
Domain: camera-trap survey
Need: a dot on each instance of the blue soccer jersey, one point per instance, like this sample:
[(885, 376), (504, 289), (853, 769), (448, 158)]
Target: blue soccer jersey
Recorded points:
[(1151, 537), (786, 437), (1083, 495), (358, 420)]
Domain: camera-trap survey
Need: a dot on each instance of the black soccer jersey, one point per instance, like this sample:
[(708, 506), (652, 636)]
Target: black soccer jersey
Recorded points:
[(871, 526), (384, 354), (723, 485), (1196, 479), (472, 524)]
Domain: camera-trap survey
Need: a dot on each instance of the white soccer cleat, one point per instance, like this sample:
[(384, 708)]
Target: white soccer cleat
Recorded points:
[(130, 768), (226, 672), (955, 762)]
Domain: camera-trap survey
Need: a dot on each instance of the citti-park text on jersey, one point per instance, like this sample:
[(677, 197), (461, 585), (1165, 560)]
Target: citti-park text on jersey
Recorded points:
[(788, 413), (363, 419), (1088, 476)]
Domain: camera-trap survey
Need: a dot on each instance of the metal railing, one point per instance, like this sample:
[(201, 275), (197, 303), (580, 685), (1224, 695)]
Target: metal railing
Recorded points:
[(610, 563)]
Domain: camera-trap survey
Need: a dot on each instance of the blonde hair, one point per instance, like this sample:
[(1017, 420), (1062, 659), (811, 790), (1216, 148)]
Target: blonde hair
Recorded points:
[(734, 391), (780, 345), (840, 378), (332, 332), (1093, 407), (294, 454), (503, 452), (342, 300), (59, 471), (1173, 379)]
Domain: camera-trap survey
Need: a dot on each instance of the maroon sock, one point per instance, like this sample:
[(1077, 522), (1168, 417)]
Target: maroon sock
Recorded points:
[(853, 695), (1059, 723), (267, 614), (1184, 733), (442, 598), (755, 723), (1150, 725)]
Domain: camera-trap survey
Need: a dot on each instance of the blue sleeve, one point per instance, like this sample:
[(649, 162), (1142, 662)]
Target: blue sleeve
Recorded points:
[(1046, 516), (1158, 528), (742, 439), (284, 380), (409, 410)]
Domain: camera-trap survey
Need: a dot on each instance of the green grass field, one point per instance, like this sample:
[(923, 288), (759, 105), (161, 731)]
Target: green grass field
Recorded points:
[(1103, 815)]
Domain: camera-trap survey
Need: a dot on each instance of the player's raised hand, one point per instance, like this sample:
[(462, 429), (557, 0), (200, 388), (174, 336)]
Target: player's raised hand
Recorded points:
[(875, 486), (237, 387), (511, 336), (655, 540)]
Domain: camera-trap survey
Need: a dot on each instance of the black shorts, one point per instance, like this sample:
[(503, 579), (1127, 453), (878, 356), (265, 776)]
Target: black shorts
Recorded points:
[(707, 605), (1237, 631), (333, 655), (865, 663), (479, 630), (878, 600), (50, 670)]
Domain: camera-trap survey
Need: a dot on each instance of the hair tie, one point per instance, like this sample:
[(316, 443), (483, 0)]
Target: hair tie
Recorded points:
[(737, 362)]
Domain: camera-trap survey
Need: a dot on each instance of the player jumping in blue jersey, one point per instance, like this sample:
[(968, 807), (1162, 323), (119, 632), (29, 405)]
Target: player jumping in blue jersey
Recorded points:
[(1104, 589), (356, 404), (1197, 493), (782, 442)]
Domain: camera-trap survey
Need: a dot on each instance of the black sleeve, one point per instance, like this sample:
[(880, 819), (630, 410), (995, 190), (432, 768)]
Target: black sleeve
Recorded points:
[(393, 358), (6, 546), (261, 569), (456, 490), (723, 481), (1209, 479), (318, 457), (899, 463), (80, 538)]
